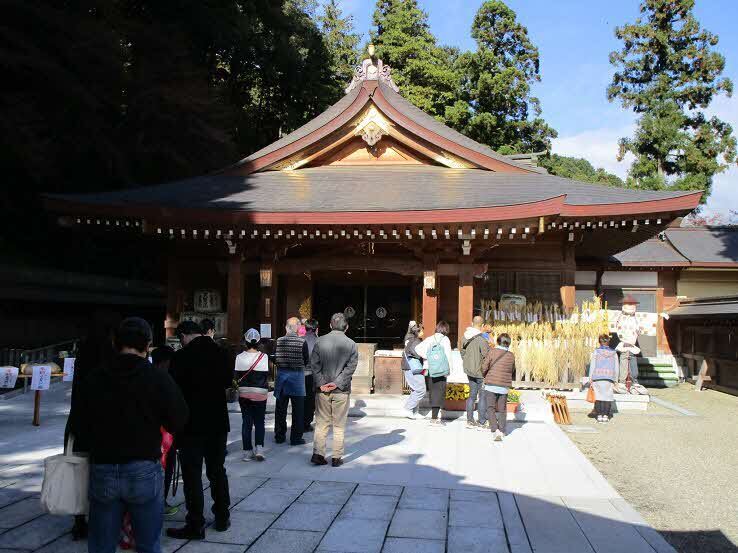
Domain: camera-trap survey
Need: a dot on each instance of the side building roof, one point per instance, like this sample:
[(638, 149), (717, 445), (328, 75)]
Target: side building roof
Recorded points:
[(685, 247)]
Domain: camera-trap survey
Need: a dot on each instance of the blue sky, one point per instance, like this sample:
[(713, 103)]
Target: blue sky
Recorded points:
[(574, 38)]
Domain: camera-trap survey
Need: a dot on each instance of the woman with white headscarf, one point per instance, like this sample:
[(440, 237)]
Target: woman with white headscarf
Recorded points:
[(252, 370)]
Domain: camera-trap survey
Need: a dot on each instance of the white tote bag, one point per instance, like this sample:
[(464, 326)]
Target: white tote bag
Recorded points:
[(66, 481)]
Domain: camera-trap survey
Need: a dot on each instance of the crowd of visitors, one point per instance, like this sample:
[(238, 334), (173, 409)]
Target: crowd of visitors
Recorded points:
[(426, 365), (138, 412)]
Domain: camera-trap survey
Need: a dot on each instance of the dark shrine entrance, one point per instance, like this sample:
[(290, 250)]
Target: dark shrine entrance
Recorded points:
[(376, 304)]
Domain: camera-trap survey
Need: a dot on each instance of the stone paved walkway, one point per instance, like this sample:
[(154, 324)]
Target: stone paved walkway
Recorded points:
[(406, 487)]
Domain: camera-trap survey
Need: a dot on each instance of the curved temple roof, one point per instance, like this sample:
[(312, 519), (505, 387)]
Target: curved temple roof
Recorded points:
[(459, 180)]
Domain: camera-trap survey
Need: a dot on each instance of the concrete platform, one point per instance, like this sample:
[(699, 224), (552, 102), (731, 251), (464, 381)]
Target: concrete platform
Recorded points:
[(406, 486)]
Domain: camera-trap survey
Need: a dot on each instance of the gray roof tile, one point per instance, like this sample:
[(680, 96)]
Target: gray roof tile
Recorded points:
[(654, 251), (366, 188), (705, 244)]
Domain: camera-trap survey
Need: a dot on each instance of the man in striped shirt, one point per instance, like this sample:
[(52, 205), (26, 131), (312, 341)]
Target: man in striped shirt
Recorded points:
[(291, 355)]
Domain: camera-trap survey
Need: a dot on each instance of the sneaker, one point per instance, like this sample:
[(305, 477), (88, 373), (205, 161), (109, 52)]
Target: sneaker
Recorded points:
[(170, 510), (498, 436), (299, 441), (412, 415), (279, 439), (337, 462), (472, 424), (437, 422), (248, 455), (605, 418), (259, 454), (186, 532)]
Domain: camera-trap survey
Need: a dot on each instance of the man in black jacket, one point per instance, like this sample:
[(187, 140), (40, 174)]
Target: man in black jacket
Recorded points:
[(127, 402), (203, 371)]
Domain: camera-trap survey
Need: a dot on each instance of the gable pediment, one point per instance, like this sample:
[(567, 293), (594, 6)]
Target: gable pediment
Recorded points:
[(374, 110)]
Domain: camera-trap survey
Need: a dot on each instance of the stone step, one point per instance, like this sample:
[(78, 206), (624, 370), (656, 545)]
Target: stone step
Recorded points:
[(657, 376), (659, 361), (658, 383), (657, 369)]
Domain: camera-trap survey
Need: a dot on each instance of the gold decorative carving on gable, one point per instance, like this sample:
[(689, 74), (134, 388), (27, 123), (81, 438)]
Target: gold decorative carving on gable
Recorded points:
[(372, 126)]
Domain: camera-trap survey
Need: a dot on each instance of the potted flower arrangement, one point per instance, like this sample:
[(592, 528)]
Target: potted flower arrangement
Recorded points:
[(513, 401), (456, 396)]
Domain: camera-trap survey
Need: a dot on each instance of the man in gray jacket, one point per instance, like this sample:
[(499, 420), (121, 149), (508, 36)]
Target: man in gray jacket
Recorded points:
[(332, 363), (474, 348)]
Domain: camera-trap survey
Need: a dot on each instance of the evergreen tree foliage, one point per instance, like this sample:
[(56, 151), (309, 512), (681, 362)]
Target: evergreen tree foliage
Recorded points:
[(496, 106), (342, 44), (104, 94), (668, 72), (578, 169), (421, 68)]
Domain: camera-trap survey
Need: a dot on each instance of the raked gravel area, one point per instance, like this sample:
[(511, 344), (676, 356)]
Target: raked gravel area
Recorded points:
[(679, 471)]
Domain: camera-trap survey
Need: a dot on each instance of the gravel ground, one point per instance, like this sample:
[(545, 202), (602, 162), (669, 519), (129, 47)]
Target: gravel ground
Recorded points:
[(680, 472)]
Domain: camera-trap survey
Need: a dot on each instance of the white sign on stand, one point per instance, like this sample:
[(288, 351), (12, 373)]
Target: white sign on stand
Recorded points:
[(68, 369), (41, 378), (265, 330), (8, 376)]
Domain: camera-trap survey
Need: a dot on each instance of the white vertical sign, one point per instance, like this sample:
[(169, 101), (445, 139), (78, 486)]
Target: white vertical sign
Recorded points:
[(265, 330), (8, 376), (41, 377), (68, 369)]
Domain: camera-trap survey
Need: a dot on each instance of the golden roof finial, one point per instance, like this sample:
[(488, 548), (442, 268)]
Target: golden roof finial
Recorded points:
[(371, 50)]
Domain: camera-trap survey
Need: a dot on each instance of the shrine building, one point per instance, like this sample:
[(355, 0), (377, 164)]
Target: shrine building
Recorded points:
[(376, 209)]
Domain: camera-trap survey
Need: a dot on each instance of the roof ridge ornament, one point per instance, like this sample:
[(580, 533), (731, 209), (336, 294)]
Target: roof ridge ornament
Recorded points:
[(372, 69)]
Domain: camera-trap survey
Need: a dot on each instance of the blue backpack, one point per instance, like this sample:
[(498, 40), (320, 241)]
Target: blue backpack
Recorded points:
[(437, 362)]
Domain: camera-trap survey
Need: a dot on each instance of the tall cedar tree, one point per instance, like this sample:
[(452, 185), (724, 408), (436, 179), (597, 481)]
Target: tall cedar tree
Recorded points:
[(578, 169), (420, 67), (342, 44), (497, 107), (668, 72)]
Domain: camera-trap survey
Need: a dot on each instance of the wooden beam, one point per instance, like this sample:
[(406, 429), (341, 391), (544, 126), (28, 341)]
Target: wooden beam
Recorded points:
[(399, 265), (703, 376), (236, 295)]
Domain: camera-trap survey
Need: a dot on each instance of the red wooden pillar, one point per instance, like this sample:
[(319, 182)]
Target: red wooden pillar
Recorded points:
[(235, 298), (466, 299), (431, 292), (568, 275)]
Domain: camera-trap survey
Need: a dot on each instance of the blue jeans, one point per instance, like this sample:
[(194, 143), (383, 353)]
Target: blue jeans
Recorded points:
[(476, 388), (136, 487)]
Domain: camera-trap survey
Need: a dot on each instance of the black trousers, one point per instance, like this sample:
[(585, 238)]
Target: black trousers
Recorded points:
[(309, 400), (496, 411), (171, 461), (252, 415), (436, 390), (298, 418), (603, 408), (193, 450)]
